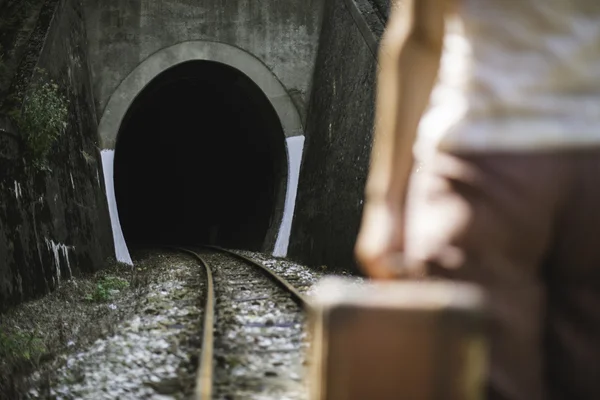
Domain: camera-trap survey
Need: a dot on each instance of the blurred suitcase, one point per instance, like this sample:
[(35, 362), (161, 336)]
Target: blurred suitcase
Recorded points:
[(397, 340)]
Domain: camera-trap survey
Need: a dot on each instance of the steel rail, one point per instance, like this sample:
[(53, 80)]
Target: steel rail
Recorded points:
[(204, 378), (298, 297)]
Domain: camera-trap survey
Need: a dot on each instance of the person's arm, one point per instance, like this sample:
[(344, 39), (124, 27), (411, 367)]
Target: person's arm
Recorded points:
[(409, 59)]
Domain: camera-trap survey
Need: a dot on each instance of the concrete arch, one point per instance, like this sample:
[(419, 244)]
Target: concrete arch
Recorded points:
[(127, 91), (132, 85)]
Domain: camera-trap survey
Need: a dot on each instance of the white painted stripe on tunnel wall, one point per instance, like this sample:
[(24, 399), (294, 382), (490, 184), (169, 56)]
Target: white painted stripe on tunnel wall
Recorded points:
[(121, 250), (295, 146)]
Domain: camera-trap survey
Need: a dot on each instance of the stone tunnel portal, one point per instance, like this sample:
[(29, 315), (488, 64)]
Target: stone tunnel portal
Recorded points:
[(200, 157)]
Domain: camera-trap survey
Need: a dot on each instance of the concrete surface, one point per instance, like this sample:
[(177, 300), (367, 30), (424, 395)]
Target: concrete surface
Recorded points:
[(282, 34), (338, 140)]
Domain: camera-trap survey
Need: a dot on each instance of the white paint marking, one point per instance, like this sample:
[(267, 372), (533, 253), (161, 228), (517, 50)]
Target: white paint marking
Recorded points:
[(72, 182), (56, 249), (18, 191), (65, 251), (295, 145), (121, 250)]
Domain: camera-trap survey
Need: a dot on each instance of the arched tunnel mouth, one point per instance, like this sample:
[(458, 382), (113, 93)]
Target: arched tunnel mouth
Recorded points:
[(201, 158)]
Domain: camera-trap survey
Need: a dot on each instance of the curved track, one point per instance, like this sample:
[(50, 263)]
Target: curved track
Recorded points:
[(245, 336)]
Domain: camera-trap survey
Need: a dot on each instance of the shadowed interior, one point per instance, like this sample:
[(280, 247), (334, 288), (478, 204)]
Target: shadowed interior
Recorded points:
[(201, 158)]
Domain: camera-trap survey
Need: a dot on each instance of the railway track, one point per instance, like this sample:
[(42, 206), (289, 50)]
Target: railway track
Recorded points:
[(253, 344)]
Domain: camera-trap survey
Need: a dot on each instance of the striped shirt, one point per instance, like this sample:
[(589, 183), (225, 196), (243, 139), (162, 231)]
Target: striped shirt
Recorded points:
[(517, 75)]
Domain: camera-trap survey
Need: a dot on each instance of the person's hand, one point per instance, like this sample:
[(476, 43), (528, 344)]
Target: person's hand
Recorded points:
[(381, 240)]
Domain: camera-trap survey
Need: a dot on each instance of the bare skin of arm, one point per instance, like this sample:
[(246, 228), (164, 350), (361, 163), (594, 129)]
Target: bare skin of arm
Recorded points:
[(409, 60)]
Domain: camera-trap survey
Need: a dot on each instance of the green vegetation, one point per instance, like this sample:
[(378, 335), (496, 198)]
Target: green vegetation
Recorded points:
[(105, 287), (42, 118), (24, 347)]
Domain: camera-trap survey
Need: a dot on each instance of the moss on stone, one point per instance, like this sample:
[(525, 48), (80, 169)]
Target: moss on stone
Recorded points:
[(42, 118), (106, 287), (19, 347)]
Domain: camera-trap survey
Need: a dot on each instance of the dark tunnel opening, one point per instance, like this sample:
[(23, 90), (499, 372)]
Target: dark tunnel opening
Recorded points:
[(200, 158)]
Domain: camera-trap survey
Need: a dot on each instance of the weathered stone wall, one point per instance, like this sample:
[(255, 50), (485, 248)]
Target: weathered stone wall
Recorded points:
[(53, 223), (17, 22), (338, 137), (383, 7), (283, 34)]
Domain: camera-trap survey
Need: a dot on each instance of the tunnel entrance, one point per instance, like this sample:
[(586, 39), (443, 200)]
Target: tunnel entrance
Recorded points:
[(200, 158)]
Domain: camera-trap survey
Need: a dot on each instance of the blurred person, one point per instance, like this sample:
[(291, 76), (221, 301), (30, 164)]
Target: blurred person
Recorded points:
[(498, 103)]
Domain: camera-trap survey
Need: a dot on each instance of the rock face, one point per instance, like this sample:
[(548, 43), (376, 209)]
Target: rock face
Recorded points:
[(338, 136), (53, 221)]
